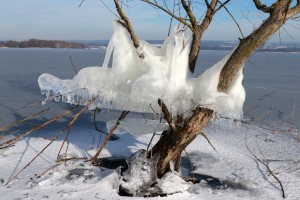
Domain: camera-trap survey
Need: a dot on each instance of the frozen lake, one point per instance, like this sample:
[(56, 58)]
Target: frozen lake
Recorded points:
[(271, 80), (272, 104)]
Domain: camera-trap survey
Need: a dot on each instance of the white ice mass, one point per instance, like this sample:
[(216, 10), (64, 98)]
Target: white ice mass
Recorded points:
[(135, 84)]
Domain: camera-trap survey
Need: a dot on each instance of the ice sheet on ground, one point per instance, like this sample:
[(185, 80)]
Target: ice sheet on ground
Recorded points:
[(135, 84)]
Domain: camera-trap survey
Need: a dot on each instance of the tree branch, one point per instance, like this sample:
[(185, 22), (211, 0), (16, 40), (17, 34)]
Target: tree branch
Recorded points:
[(167, 115), (222, 5), (127, 24), (188, 11), (251, 43), (110, 133), (207, 4), (270, 171), (262, 7), (169, 13), (293, 11), (198, 31), (237, 24)]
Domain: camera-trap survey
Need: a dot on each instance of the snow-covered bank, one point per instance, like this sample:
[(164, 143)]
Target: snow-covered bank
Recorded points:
[(231, 172)]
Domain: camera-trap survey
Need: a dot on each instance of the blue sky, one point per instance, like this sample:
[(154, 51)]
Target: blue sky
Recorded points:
[(64, 20)]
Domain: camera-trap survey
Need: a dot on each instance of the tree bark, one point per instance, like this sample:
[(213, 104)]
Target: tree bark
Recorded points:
[(198, 30), (174, 141), (250, 44)]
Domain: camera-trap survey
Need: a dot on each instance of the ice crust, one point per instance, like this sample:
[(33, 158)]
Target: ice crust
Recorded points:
[(141, 172), (135, 84)]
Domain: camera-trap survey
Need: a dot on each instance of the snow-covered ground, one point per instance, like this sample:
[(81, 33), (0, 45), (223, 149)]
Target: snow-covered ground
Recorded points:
[(230, 172), (268, 133)]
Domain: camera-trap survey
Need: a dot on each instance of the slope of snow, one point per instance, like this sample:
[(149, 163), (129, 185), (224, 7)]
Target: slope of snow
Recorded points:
[(231, 172)]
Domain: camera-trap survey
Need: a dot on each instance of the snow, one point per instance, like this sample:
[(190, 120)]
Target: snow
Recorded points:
[(135, 84), (231, 172), (141, 173), (172, 183)]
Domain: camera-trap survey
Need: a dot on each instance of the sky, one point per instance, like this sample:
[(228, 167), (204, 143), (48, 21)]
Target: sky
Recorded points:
[(65, 20)]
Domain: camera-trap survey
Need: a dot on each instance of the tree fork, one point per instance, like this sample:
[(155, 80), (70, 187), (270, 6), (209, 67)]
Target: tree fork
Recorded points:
[(178, 137), (278, 16), (172, 143)]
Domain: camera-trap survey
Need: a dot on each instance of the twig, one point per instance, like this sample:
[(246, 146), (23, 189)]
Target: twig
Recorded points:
[(95, 125), (171, 20), (237, 24), (205, 136), (122, 116), (261, 6), (267, 113), (169, 13), (127, 24), (191, 163), (270, 171), (73, 158), (113, 137), (66, 138), (38, 127), (108, 8), (73, 65), (167, 114), (81, 3), (151, 140), (75, 117), (22, 120)]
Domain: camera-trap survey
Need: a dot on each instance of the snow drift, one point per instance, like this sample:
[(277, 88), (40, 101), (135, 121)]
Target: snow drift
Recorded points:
[(135, 84)]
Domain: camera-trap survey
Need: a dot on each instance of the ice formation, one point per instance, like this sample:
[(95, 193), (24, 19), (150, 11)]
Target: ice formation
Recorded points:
[(135, 84), (141, 172)]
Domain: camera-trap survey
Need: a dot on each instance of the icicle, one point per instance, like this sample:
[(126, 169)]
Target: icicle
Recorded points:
[(109, 50), (134, 84)]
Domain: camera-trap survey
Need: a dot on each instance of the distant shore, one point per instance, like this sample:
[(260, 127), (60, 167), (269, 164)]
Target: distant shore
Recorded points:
[(41, 44), (102, 44)]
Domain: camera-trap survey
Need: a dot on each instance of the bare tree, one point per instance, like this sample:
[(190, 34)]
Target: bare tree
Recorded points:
[(180, 135)]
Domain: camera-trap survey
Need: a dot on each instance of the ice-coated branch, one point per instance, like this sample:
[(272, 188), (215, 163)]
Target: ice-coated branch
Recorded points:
[(126, 22)]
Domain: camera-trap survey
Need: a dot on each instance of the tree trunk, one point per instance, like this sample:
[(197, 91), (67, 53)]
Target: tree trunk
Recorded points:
[(173, 142), (250, 44)]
